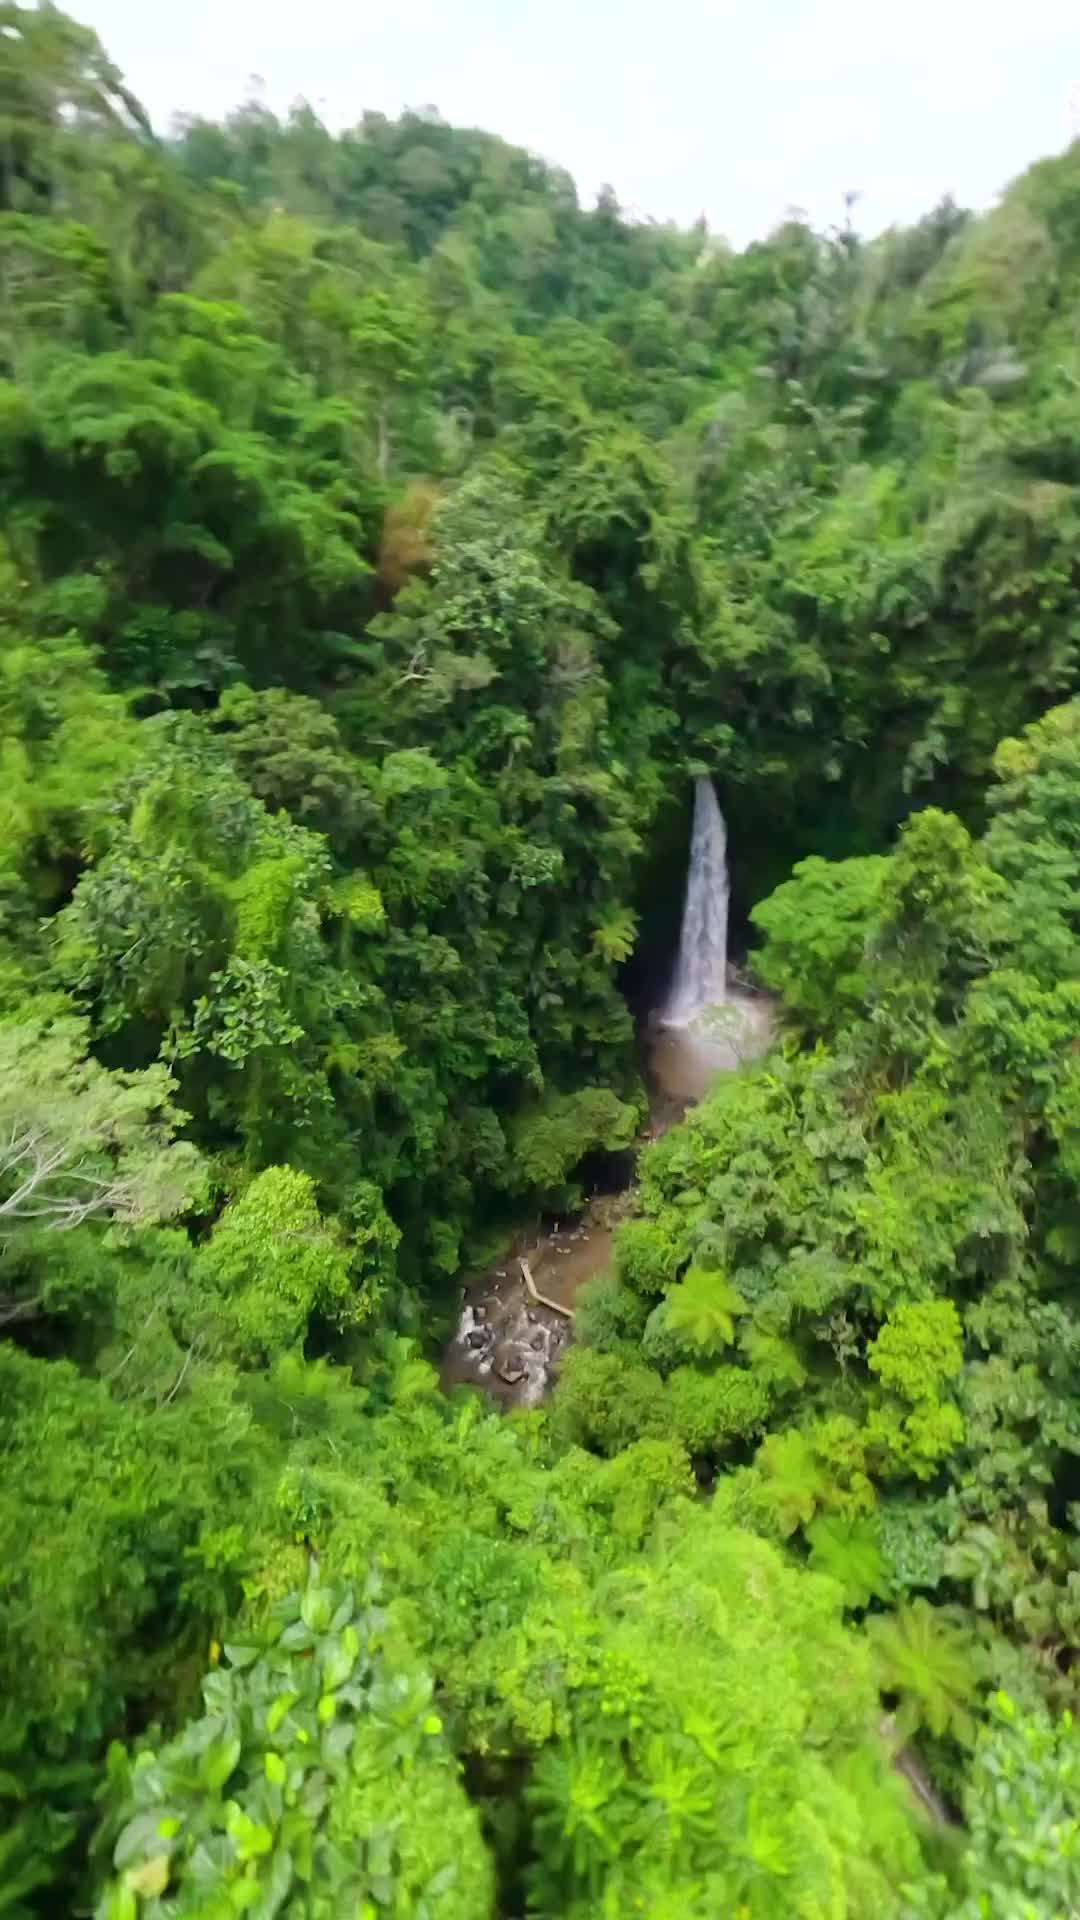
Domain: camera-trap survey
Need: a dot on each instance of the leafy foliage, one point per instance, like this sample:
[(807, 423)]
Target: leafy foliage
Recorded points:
[(817, 926), (1020, 1857), (388, 540), (921, 1658), (315, 1779), (700, 1311), (78, 1143), (274, 1264)]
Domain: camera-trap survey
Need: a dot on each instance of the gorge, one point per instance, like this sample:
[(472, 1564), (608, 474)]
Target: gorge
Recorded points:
[(508, 1342), (444, 625)]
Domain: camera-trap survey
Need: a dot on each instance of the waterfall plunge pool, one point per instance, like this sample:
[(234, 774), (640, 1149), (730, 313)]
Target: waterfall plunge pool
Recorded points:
[(684, 1060)]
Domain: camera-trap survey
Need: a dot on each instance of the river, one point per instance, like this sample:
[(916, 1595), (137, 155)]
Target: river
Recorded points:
[(507, 1342)]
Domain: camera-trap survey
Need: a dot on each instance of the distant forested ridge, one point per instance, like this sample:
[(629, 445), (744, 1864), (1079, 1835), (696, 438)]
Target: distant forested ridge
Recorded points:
[(386, 543)]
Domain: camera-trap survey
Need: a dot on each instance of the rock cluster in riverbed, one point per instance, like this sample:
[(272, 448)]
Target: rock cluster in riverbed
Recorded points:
[(506, 1345)]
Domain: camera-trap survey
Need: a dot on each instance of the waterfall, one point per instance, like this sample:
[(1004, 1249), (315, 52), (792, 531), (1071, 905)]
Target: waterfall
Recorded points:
[(701, 971)]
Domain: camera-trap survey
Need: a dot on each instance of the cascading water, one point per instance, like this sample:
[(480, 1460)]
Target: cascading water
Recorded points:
[(701, 970), (509, 1341)]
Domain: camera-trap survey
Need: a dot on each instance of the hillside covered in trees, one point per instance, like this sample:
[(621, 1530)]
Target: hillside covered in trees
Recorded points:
[(387, 543)]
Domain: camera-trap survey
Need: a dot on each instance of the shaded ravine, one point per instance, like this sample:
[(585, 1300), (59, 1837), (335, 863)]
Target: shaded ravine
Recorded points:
[(507, 1342), (507, 1339)]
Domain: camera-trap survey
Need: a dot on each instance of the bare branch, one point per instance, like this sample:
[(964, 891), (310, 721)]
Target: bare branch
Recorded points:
[(16, 1310), (78, 1142), (169, 1397)]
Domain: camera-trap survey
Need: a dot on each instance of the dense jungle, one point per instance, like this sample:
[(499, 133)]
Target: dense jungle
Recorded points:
[(388, 541)]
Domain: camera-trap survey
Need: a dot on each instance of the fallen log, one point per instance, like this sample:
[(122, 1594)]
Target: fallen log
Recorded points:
[(541, 1299), (911, 1767)]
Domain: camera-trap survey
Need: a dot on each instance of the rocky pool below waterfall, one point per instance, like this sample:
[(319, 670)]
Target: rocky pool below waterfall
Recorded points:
[(683, 1061)]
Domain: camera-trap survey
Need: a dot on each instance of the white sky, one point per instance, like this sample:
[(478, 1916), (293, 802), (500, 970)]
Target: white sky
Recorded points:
[(737, 109)]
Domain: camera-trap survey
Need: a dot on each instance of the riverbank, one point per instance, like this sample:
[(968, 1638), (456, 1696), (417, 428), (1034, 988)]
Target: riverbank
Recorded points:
[(507, 1342)]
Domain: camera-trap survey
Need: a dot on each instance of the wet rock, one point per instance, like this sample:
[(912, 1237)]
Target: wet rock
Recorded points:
[(480, 1313), (477, 1339), (510, 1365), (538, 1342)]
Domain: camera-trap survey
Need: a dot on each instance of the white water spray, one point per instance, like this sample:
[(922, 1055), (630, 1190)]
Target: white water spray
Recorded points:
[(701, 971)]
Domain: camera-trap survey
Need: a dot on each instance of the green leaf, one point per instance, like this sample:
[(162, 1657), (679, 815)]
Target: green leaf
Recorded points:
[(849, 1551), (298, 1638), (251, 1837), (151, 1879), (278, 1708), (316, 1609), (701, 1308), (138, 1838), (337, 1664), (240, 1656), (219, 1760)]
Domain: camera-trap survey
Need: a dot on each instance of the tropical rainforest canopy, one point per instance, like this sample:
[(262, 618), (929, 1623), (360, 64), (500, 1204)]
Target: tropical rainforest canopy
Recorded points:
[(387, 543)]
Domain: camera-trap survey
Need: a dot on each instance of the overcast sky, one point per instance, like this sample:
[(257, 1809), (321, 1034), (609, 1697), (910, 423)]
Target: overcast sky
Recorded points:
[(738, 109)]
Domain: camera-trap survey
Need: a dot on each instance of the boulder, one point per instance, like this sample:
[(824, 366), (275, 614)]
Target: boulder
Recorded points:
[(510, 1365)]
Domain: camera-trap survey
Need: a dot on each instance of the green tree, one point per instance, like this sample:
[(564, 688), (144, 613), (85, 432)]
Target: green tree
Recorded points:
[(1020, 1857), (817, 927), (923, 1656), (700, 1310), (79, 1143), (292, 1782), (272, 1263)]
